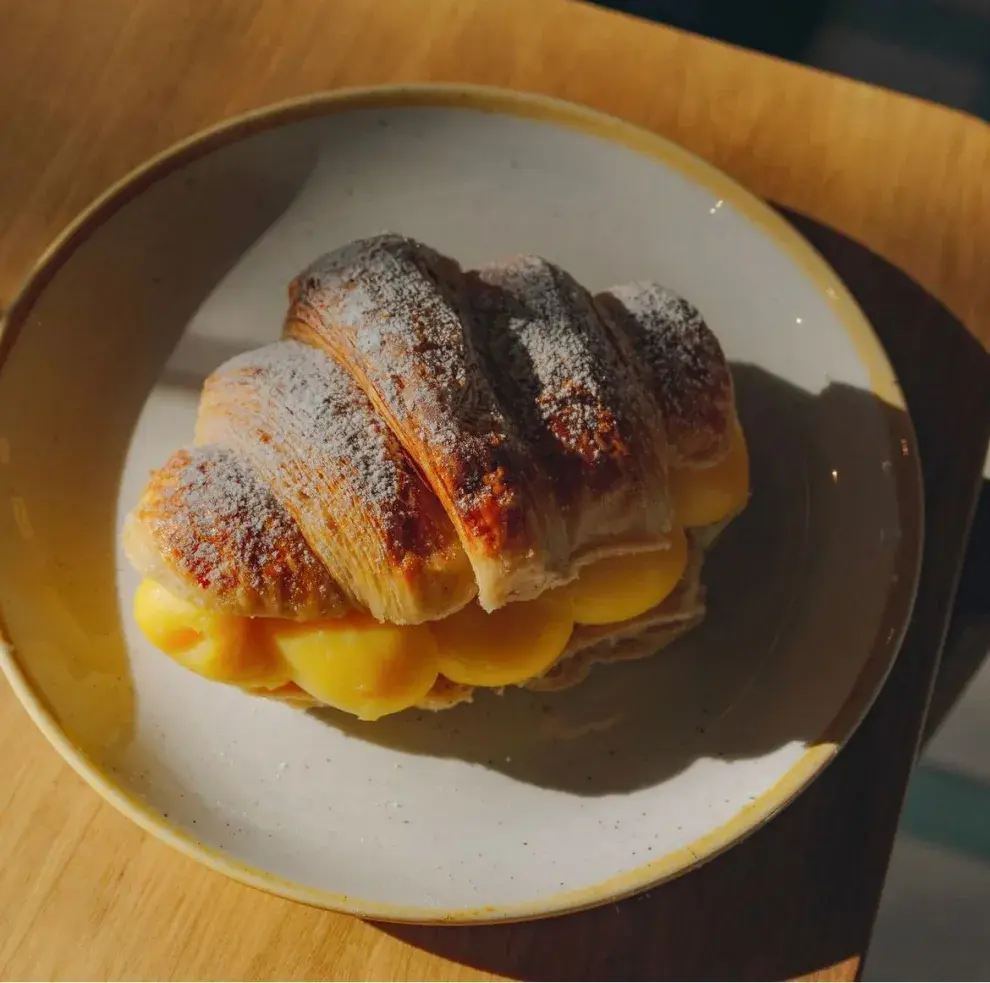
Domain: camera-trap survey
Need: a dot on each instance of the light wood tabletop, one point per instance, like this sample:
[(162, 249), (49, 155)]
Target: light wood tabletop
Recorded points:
[(88, 91)]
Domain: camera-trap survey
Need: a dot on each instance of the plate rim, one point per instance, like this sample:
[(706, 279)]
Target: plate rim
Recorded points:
[(529, 105)]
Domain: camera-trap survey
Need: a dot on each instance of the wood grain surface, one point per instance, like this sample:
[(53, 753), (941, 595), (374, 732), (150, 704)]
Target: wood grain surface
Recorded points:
[(89, 90)]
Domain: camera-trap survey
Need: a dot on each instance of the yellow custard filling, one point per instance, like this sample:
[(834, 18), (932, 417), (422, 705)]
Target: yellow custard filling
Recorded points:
[(359, 665), (625, 587), (217, 646), (510, 645), (704, 496), (369, 669)]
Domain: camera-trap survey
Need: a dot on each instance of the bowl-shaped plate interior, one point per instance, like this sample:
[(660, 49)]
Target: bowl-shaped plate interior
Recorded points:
[(517, 805)]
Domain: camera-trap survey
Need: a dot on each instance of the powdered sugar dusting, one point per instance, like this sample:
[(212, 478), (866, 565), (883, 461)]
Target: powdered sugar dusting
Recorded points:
[(395, 311), (214, 519), (308, 425), (400, 303), (539, 325), (559, 372), (681, 358), (313, 403), (409, 400)]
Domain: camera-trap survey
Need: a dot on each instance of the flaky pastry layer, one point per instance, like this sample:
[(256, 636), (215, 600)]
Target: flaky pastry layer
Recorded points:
[(422, 436)]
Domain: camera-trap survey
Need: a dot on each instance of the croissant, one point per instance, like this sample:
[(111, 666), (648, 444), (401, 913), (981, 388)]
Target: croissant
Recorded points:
[(440, 479)]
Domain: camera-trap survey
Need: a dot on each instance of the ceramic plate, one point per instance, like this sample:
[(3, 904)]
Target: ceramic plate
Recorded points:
[(515, 806)]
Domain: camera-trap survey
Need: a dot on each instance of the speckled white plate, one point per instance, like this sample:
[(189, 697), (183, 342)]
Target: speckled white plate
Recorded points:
[(513, 807)]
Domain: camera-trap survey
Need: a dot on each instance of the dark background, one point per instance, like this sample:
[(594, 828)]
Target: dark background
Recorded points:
[(936, 49)]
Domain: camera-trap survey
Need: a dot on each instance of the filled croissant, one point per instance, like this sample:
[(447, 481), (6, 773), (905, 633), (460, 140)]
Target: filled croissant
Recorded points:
[(440, 479)]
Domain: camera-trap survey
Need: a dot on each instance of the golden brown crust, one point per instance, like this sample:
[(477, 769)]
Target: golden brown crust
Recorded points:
[(684, 365), (216, 527), (393, 311), (578, 406), (552, 358), (298, 419), (421, 436)]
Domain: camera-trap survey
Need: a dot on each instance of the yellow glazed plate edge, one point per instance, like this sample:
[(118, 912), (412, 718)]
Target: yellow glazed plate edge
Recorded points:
[(883, 383)]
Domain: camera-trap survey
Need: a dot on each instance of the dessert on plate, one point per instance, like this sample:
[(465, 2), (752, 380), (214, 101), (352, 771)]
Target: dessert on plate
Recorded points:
[(442, 479)]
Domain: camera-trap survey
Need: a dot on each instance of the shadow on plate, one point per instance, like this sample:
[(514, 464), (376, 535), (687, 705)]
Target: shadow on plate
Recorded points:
[(793, 435), (633, 725)]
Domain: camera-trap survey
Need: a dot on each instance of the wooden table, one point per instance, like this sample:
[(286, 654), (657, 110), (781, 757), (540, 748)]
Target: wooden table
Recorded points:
[(88, 90)]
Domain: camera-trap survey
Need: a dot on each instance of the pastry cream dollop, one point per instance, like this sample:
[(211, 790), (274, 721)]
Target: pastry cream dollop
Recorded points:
[(359, 665), (624, 587), (510, 645), (369, 669), (705, 496), (217, 646)]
